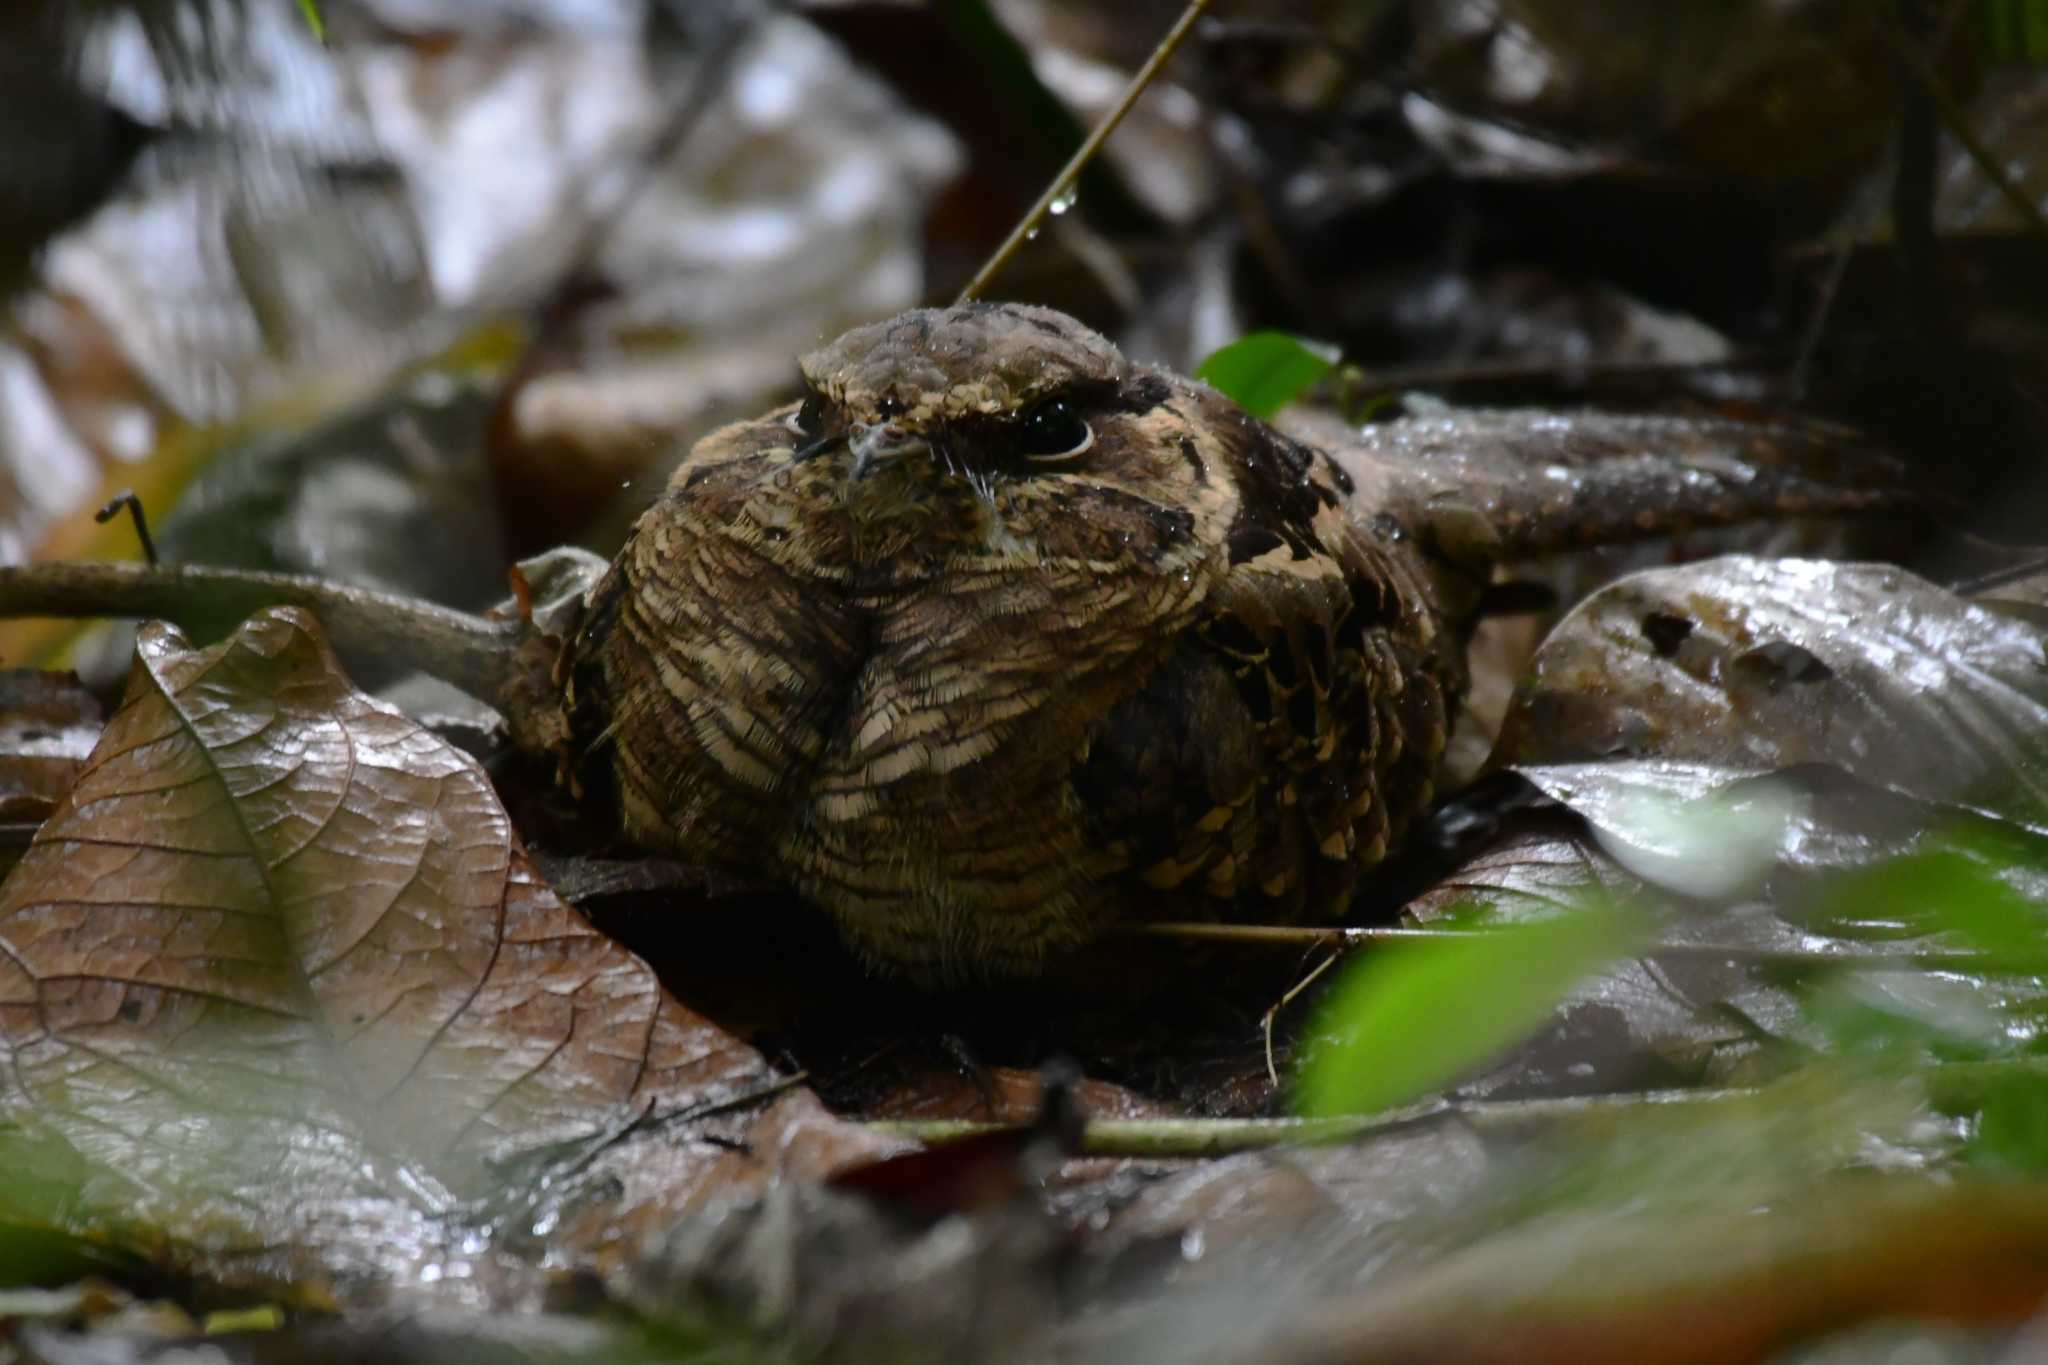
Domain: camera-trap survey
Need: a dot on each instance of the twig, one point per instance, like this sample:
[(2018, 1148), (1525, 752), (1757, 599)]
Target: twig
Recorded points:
[(1780, 959), (649, 1120), (126, 498), (1182, 1138), (1064, 181), (476, 654), (1272, 1015), (1952, 1087), (548, 1184)]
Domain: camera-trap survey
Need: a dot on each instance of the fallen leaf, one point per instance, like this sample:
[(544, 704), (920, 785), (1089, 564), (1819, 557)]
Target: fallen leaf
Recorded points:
[(1756, 665), (280, 973), (1814, 767)]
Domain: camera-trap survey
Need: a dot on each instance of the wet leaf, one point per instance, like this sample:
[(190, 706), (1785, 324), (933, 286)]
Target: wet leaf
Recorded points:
[(1833, 877), (1755, 665), (1804, 948), (1524, 482), (1266, 371), (279, 973)]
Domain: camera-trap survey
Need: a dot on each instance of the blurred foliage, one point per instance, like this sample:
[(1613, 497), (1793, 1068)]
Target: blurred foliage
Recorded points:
[(2015, 30), (1411, 1019)]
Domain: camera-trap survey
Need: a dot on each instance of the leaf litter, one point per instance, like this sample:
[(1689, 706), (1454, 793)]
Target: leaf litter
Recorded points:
[(279, 975)]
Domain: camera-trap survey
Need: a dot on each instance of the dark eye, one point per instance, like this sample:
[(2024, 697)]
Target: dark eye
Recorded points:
[(809, 419), (1052, 430)]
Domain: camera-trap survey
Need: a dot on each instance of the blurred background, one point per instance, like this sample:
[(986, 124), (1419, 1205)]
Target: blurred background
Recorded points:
[(400, 290)]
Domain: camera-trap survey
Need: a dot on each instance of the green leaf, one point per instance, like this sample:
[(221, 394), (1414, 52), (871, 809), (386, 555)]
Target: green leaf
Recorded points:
[(2015, 30), (1951, 887), (1955, 886), (1266, 371), (2011, 1132), (1406, 1021), (310, 9)]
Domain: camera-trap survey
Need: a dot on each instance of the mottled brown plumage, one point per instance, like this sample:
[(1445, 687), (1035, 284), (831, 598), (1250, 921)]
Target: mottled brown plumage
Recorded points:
[(997, 639)]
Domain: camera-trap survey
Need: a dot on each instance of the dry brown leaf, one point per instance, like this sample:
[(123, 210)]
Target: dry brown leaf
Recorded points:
[(280, 972)]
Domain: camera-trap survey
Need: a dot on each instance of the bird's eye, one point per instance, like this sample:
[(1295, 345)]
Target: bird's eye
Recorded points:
[(1052, 430), (809, 419)]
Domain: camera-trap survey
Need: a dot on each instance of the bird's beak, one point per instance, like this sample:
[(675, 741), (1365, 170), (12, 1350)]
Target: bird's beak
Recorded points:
[(874, 446)]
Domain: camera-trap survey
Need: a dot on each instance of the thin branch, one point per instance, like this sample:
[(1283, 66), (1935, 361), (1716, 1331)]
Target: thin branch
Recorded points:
[(1184, 1138), (1271, 1018), (1777, 959), (1952, 1087), (473, 652), (1063, 182)]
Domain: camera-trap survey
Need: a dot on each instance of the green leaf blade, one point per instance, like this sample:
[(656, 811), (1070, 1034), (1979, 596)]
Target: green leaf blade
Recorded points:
[(1406, 1022), (1265, 371)]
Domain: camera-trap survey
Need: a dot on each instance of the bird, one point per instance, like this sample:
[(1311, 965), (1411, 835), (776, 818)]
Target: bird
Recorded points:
[(995, 639)]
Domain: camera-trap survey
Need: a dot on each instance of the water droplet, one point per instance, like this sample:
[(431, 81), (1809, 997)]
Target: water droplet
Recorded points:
[(1063, 202), (1031, 235)]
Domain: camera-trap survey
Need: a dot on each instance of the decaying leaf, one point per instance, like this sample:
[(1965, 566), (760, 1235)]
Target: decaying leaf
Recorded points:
[(280, 974), (1756, 665)]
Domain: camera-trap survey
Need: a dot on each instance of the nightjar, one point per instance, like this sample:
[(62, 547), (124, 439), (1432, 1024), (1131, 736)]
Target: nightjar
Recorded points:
[(996, 639)]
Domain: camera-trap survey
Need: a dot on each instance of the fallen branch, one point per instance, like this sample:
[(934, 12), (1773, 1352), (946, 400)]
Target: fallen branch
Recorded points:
[(475, 653), (1955, 1087)]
